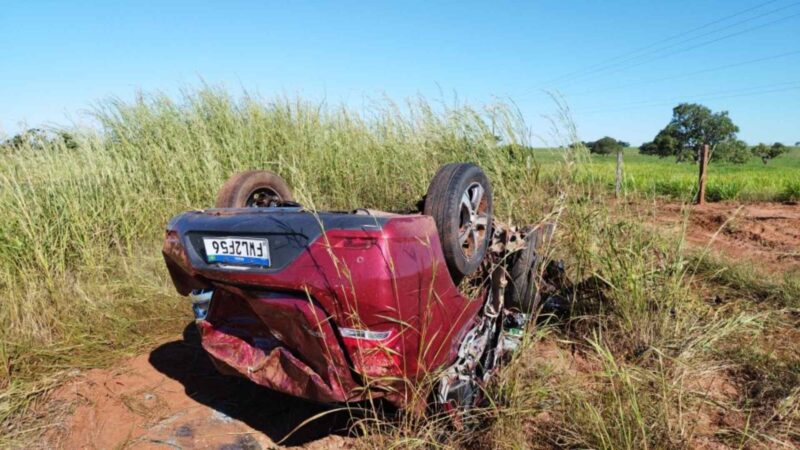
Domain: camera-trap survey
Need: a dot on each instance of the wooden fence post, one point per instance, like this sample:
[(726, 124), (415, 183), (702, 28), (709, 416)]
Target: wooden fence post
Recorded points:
[(701, 191), (618, 183)]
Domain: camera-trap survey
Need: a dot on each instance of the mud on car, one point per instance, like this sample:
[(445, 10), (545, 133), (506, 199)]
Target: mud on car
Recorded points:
[(337, 306)]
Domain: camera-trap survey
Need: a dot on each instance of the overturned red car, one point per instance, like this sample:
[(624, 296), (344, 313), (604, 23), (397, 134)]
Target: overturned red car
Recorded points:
[(347, 306)]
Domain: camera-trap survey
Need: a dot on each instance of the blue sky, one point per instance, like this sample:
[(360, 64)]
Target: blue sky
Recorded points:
[(620, 65)]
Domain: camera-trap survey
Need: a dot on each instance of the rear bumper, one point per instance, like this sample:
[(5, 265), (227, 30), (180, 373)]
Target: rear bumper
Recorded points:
[(280, 341)]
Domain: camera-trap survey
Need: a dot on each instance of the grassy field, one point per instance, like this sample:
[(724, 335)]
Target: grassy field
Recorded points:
[(83, 284), (779, 180)]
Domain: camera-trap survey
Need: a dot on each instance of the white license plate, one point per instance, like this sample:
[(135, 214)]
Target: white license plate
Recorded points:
[(237, 250)]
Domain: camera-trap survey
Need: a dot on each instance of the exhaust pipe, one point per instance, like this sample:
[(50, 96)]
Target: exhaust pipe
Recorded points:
[(201, 302)]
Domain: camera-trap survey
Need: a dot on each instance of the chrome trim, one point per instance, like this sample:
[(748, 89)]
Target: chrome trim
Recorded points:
[(364, 334)]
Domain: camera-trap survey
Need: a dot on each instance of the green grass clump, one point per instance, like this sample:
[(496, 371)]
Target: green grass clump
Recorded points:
[(791, 191)]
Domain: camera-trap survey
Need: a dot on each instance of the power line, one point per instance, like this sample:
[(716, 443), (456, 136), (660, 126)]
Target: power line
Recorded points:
[(723, 92), (688, 74), (702, 44), (604, 67), (788, 86), (667, 39)]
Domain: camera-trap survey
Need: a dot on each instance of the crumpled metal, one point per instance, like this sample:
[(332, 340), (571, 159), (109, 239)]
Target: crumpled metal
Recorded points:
[(261, 351)]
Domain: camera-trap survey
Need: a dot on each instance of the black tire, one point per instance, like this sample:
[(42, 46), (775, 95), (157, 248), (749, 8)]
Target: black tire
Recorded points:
[(526, 266), (253, 188), (464, 230)]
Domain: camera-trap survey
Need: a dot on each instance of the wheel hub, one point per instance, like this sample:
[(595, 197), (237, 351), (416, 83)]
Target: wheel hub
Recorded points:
[(263, 198), (474, 220)]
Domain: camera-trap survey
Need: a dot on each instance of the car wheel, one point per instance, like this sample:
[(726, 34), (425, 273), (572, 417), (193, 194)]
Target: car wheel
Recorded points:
[(253, 188), (459, 199), (523, 287)]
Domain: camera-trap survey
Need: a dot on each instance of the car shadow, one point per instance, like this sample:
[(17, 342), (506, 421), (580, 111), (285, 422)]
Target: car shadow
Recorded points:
[(265, 410)]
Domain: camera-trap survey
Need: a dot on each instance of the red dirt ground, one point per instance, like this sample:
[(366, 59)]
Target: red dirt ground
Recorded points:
[(173, 398), (766, 234)]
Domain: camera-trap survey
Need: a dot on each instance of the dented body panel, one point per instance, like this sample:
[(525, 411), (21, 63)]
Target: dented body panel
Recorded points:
[(353, 306)]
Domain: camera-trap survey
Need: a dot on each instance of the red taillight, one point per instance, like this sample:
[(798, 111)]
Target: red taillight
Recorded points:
[(353, 242), (373, 352)]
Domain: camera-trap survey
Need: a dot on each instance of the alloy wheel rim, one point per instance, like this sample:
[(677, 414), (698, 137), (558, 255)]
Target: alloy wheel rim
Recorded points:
[(473, 219)]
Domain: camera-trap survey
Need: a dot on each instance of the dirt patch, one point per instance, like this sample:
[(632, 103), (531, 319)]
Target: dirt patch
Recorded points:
[(767, 234), (174, 398)]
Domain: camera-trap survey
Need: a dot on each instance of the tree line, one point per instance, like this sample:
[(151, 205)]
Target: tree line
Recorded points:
[(692, 126), (38, 139)]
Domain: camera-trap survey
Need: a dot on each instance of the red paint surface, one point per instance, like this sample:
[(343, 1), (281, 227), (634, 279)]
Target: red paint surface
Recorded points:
[(390, 279)]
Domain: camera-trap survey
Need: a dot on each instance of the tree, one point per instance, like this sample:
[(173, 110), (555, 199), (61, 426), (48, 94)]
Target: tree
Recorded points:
[(666, 143), (767, 153), (579, 145), (605, 146), (691, 127), (648, 148), (732, 150), (38, 139)]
